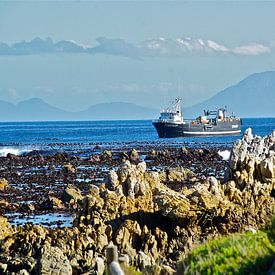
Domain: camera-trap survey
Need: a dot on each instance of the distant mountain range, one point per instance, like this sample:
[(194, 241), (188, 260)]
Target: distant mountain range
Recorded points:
[(252, 97), (36, 109)]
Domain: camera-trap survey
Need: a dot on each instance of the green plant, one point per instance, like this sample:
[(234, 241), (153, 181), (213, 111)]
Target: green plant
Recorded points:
[(236, 254)]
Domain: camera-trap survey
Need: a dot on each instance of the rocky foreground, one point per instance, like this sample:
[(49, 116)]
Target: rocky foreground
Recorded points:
[(154, 217)]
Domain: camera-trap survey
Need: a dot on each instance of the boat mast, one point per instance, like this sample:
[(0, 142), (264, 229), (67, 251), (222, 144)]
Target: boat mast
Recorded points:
[(178, 106)]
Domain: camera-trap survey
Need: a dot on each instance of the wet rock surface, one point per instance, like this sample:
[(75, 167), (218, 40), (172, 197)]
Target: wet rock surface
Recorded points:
[(39, 183), (155, 205)]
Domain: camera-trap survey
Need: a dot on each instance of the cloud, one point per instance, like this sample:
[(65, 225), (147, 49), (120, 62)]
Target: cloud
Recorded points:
[(253, 49), (115, 47), (168, 47)]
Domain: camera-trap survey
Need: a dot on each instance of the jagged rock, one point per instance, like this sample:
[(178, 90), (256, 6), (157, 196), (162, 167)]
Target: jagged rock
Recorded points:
[(52, 203), (267, 169), (62, 157), (94, 190), (3, 184), (72, 193), (53, 261), (134, 155), (69, 168), (112, 180), (144, 261), (128, 237), (252, 158), (5, 228), (108, 153)]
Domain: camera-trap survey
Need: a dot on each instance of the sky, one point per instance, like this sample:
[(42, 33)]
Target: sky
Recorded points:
[(74, 54)]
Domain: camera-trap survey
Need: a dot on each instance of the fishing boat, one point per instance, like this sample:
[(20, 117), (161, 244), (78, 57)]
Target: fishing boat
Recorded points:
[(171, 123)]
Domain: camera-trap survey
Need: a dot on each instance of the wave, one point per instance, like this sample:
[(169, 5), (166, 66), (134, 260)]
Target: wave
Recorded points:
[(15, 151), (224, 154)]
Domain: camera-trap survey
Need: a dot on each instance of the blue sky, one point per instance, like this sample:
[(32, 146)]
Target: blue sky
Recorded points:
[(148, 52)]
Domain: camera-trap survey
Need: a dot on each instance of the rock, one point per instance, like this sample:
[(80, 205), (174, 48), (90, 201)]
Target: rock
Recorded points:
[(3, 268), (167, 270), (251, 229), (28, 207), (12, 156), (72, 193), (4, 204), (134, 155), (69, 169), (267, 169), (97, 147), (128, 236), (179, 174), (248, 136), (112, 180), (100, 265), (184, 150), (215, 187), (144, 261), (3, 184), (53, 261), (52, 203), (108, 153), (5, 228), (251, 159), (23, 272), (141, 167), (94, 190), (61, 157)]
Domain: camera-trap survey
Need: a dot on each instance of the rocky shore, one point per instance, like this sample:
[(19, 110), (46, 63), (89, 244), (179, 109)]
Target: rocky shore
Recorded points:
[(156, 209)]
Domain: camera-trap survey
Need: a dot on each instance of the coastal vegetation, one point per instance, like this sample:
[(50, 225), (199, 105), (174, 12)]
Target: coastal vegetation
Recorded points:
[(246, 253)]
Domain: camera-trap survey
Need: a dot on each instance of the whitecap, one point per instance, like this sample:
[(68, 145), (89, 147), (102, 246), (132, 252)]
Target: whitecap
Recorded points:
[(4, 151)]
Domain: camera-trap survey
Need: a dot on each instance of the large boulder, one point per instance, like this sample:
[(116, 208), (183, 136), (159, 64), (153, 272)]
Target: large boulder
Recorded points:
[(53, 262)]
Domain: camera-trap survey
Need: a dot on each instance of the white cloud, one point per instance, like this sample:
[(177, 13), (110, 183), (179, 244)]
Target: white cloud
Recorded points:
[(216, 47), (252, 49)]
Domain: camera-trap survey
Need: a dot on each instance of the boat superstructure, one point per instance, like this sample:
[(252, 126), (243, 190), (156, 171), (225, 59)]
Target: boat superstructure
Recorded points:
[(212, 123)]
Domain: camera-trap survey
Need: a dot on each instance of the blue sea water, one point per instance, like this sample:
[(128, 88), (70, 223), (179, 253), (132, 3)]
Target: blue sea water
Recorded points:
[(80, 134)]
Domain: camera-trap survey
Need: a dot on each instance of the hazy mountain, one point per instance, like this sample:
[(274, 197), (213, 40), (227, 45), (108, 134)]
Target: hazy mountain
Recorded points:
[(252, 97), (34, 109), (118, 110), (37, 110)]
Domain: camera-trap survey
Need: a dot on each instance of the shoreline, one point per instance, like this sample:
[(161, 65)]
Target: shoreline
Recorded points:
[(156, 206)]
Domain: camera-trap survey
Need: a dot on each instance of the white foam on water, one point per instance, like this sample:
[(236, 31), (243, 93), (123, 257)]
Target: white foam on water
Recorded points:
[(4, 151), (224, 154)]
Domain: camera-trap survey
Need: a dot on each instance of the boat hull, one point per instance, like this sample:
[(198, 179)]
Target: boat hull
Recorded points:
[(187, 129)]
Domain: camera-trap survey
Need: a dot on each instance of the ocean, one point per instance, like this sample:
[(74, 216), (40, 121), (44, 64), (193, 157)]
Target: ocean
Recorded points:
[(22, 137)]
